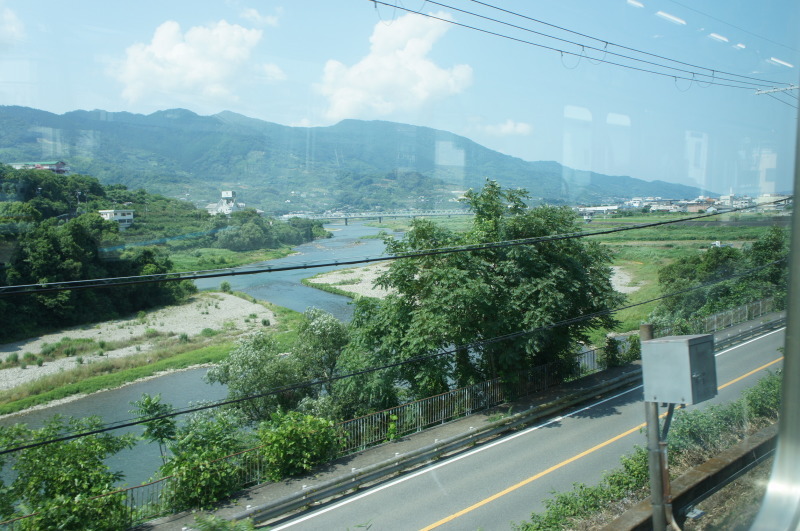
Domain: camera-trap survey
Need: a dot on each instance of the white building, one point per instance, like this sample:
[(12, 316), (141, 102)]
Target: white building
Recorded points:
[(226, 205), (123, 217)]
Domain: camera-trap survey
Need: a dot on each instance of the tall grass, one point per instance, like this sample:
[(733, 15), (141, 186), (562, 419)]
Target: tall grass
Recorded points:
[(108, 374)]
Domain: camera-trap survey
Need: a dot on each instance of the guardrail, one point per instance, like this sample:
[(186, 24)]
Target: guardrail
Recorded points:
[(359, 477), (697, 484), (416, 416), (146, 501), (744, 335)]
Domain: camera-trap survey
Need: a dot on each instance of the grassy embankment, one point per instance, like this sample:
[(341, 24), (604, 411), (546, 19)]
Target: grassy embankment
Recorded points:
[(94, 373), (213, 258)]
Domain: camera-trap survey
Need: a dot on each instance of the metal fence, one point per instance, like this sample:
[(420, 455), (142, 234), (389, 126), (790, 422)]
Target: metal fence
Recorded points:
[(151, 500), (747, 312), (721, 320), (415, 416)]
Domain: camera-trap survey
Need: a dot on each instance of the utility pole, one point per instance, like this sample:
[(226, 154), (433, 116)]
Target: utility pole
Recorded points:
[(675, 370), (654, 451)]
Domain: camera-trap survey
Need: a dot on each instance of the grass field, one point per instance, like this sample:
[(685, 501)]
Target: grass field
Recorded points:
[(213, 258)]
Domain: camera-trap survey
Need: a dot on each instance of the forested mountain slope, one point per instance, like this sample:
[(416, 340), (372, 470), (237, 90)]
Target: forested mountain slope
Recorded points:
[(351, 165)]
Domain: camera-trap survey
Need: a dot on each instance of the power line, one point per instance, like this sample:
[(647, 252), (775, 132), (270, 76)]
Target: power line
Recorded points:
[(415, 359), (48, 287), (713, 71), (774, 97), (567, 52), (733, 25)]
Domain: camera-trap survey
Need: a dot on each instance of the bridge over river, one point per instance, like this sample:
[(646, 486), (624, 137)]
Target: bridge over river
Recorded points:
[(347, 216)]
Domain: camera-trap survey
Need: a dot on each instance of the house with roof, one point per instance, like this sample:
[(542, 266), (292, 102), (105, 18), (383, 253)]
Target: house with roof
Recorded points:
[(55, 166), (123, 217), (226, 205)]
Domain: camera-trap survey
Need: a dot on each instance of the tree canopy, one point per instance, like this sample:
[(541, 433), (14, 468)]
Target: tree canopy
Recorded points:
[(494, 305), (721, 278)]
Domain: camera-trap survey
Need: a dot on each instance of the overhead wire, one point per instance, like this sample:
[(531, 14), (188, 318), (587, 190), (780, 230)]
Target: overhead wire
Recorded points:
[(774, 97), (97, 283), (712, 17), (713, 75), (739, 85), (607, 42), (416, 359)]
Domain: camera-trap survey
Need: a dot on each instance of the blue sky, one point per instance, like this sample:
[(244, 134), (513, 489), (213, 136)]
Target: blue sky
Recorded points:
[(315, 62)]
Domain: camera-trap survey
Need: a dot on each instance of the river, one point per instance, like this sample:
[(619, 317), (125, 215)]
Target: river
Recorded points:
[(186, 387)]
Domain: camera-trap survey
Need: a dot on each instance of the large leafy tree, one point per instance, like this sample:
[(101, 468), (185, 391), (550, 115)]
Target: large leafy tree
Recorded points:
[(61, 481), (255, 368), (442, 301)]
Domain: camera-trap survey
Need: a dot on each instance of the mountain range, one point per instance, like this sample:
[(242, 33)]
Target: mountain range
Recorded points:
[(351, 165)]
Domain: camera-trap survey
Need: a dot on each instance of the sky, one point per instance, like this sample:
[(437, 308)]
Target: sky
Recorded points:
[(532, 79)]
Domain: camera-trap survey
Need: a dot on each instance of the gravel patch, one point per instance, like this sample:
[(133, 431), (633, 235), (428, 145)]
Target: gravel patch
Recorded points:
[(621, 280), (358, 281), (216, 311)]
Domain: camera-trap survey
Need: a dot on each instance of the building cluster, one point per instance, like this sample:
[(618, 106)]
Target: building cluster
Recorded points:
[(764, 202), (228, 203)]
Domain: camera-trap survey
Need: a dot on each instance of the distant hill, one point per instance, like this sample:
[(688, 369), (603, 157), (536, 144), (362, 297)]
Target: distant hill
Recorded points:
[(351, 165)]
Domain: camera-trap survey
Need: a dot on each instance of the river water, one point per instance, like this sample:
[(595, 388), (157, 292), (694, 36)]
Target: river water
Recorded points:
[(184, 388)]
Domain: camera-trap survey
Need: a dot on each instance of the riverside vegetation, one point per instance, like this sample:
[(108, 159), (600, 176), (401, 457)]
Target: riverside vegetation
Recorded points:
[(488, 293), (50, 231)]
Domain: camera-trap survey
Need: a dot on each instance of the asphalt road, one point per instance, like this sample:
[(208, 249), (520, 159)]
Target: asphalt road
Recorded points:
[(497, 483)]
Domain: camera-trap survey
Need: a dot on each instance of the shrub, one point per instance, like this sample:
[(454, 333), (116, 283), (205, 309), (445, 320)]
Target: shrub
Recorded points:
[(209, 332), (183, 338), (70, 351), (609, 355), (265, 322), (48, 349), (151, 332), (225, 287), (12, 359), (202, 476), (294, 443)]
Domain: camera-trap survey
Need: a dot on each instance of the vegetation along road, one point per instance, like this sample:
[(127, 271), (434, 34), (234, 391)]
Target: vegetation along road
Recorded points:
[(501, 482)]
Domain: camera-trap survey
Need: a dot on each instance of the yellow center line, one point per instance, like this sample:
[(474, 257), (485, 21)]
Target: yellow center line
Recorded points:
[(574, 458)]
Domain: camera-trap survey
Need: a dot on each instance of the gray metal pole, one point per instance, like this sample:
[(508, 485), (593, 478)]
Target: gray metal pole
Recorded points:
[(654, 451), (654, 466)]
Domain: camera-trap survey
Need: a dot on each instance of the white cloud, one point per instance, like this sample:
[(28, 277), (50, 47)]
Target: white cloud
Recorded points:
[(509, 128), (12, 30), (273, 72), (396, 75), (203, 60), (255, 17)]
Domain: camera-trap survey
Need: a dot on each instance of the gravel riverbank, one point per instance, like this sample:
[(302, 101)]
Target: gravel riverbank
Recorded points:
[(216, 311)]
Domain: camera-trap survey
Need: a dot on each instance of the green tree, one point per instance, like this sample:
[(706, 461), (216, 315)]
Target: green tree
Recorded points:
[(722, 278), (201, 473), (321, 340), (447, 300), (61, 481), (160, 427), (257, 367)]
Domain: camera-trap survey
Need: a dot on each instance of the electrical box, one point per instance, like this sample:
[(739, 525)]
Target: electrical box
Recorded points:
[(679, 369)]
